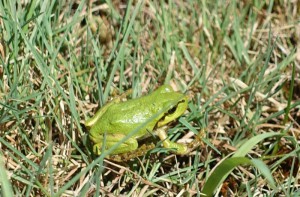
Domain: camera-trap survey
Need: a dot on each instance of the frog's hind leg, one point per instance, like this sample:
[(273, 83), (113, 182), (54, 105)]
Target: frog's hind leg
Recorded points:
[(90, 122), (110, 140)]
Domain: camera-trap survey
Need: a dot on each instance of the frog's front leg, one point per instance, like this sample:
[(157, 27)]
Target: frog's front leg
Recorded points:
[(180, 149), (110, 140)]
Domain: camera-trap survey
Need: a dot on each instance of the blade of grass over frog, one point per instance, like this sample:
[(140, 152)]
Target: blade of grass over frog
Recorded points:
[(4, 182), (247, 146), (123, 44)]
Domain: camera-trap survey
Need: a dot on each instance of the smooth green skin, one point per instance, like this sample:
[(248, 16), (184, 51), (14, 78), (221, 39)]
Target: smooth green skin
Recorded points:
[(117, 119)]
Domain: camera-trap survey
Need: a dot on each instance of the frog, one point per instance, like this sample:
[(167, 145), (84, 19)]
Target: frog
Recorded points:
[(148, 115)]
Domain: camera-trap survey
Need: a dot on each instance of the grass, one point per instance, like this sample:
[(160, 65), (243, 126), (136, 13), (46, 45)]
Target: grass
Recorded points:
[(238, 61)]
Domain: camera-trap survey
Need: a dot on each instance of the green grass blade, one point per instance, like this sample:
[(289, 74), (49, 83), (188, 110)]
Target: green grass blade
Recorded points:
[(5, 185), (221, 172), (265, 170), (249, 144)]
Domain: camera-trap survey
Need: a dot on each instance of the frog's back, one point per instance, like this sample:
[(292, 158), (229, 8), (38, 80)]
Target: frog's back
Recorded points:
[(126, 116)]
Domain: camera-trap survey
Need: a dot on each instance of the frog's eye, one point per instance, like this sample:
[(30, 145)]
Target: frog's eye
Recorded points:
[(172, 110)]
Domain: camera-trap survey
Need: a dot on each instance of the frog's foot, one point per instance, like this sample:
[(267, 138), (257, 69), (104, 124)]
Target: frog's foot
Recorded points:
[(196, 142), (133, 154), (179, 148)]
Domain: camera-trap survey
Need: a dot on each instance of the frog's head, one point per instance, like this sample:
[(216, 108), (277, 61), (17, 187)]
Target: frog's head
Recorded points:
[(172, 103)]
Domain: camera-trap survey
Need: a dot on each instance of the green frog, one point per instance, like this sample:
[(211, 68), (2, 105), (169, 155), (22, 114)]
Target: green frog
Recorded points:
[(150, 113)]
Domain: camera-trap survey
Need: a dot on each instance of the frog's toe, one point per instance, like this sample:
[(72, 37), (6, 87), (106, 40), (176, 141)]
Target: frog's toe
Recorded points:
[(197, 141)]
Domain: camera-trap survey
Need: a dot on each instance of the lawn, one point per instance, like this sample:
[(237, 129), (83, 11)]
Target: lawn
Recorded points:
[(237, 62)]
